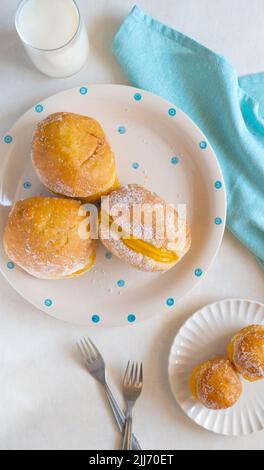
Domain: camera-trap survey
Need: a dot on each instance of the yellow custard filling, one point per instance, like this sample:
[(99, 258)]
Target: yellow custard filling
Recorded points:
[(160, 255), (230, 352), (85, 269), (193, 382)]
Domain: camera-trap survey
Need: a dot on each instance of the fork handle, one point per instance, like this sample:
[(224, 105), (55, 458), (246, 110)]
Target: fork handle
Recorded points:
[(127, 442), (120, 417)]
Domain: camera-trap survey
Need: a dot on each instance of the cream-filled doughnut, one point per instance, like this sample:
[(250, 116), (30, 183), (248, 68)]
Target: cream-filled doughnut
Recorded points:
[(149, 234)]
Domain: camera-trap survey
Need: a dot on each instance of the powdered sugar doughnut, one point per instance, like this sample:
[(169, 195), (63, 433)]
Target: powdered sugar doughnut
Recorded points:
[(72, 157), (42, 237), (246, 352), (216, 384), (149, 234)]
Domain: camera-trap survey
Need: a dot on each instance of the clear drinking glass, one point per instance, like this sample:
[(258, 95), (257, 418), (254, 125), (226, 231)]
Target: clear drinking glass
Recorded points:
[(58, 62)]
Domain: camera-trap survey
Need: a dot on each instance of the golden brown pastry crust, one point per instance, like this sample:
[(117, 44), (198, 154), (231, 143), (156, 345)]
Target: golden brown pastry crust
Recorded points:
[(216, 384), (129, 196), (72, 157), (246, 352), (42, 237)]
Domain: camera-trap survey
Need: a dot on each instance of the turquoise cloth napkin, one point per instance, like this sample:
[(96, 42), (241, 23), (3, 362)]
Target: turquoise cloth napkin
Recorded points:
[(229, 110)]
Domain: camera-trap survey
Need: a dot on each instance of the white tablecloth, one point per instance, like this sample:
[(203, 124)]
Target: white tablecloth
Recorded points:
[(47, 401)]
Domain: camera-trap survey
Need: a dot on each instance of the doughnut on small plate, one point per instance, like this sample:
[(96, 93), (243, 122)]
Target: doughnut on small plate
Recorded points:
[(157, 146), (204, 336)]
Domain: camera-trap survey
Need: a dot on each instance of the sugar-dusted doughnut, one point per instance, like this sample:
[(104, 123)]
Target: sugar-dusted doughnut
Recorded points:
[(246, 352), (149, 235), (72, 157), (42, 236), (216, 384)]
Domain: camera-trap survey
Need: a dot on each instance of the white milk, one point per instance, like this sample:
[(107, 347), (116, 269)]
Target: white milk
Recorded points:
[(53, 35)]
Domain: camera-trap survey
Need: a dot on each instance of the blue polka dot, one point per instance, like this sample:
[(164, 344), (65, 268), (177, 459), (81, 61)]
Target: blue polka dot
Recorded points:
[(203, 145), (218, 185), (138, 97), (122, 130), (170, 302), (175, 160), (172, 112), (83, 90), (218, 221), (10, 265), (198, 272), (136, 166), (39, 108), (108, 255), (95, 319), (48, 303), (27, 185), (8, 139), (131, 318), (121, 283)]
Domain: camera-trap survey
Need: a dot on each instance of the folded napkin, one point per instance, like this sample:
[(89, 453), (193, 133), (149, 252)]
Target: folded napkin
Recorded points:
[(229, 110)]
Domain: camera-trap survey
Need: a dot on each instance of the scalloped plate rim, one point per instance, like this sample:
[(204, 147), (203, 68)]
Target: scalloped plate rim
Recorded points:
[(171, 355)]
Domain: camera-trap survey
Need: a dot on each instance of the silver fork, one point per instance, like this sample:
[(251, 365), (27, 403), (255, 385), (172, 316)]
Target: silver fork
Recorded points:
[(132, 388), (96, 367)]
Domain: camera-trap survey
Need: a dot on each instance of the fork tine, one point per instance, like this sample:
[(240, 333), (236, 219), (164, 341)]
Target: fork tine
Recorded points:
[(92, 345), (140, 380), (90, 349), (131, 377), (87, 350), (79, 347), (126, 376), (135, 376)]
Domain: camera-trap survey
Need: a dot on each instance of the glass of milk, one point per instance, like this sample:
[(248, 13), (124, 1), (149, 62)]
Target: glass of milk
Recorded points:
[(54, 36)]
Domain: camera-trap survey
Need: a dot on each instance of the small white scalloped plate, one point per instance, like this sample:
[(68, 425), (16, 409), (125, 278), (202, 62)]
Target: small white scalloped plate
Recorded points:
[(204, 336), (155, 134)]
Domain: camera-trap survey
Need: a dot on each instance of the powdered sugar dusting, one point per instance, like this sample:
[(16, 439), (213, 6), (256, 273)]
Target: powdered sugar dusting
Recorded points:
[(218, 386), (248, 352), (72, 156), (125, 208), (42, 237)]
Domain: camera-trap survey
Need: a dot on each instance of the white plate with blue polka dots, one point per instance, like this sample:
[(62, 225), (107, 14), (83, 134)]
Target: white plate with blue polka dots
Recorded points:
[(204, 336), (156, 145)]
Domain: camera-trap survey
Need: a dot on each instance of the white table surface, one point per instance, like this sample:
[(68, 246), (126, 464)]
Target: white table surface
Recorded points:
[(47, 401)]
